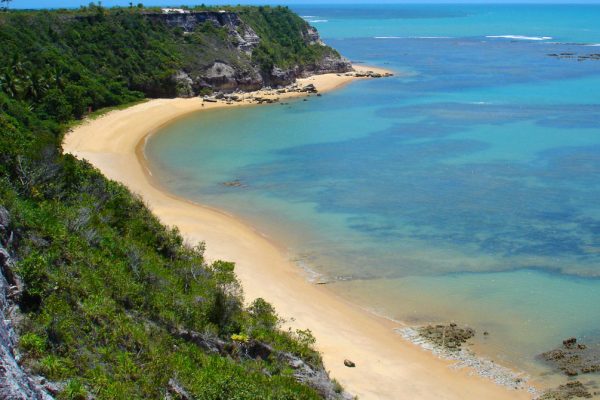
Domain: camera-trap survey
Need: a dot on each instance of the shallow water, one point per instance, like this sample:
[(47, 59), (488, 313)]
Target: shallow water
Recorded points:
[(465, 188)]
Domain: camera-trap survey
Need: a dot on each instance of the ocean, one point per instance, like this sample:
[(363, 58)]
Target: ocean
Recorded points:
[(466, 188)]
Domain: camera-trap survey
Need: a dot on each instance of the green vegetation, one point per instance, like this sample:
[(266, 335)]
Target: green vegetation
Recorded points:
[(111, 56), (283, 38), (115, 304)]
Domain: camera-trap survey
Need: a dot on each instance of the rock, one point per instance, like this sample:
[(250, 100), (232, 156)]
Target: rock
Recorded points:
[(330, 65), (573, 358), (312, 36), (349, 363), (567, 391), (221, 75), (53, 388), (317, 378), (450, 336), (255, 349), (4, 220), (372, 74), (240, 33), (184, 84), (236, 69), (15, 383), (281, 77), (207, 342), (235, 183), (569, 343), (310, 88), (177, 391)]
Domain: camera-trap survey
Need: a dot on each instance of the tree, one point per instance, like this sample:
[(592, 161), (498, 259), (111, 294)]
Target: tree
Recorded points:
[(5, 4)]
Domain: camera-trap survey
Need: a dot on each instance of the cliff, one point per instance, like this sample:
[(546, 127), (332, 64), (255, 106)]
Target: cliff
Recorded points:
[(233, 62)]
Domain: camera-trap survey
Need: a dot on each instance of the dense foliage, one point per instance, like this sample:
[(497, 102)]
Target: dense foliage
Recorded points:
[(111, 297), (111, 56), (283, 38)]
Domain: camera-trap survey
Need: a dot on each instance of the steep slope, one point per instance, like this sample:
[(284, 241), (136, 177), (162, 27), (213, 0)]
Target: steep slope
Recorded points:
[(103, 301)]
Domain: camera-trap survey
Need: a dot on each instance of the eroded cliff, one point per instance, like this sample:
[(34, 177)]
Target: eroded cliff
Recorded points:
[(226, 50)]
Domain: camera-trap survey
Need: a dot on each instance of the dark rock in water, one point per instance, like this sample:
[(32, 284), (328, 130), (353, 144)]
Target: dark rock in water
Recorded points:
[(569, 343), (573, 358), (450, 336), (235, 183), (567, 391), (349, 364)]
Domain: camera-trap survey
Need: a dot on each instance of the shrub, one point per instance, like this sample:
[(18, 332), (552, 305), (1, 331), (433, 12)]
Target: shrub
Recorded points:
[(33, 344)]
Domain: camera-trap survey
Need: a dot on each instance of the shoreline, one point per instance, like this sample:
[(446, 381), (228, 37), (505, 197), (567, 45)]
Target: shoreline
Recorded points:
[(387, 366)]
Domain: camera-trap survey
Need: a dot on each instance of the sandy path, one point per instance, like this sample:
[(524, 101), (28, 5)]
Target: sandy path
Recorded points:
[(387, 367)]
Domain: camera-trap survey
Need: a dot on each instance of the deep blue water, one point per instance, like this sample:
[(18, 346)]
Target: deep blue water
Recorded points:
[(465, 188)]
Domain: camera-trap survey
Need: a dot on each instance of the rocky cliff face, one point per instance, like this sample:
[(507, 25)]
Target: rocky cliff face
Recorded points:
[(15, 383), (243, 34), (235, 68)]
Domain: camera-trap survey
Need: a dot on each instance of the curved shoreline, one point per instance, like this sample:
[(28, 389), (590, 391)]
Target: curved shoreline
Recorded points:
[(387, 367)]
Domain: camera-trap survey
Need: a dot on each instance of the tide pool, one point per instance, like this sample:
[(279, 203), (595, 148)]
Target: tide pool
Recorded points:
[(465, 189)]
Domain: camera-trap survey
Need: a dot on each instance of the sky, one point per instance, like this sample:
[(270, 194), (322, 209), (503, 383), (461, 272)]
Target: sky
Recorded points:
[(109, 3)]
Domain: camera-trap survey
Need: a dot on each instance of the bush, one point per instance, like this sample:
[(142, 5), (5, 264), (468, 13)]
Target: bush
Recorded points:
[(32, 344)]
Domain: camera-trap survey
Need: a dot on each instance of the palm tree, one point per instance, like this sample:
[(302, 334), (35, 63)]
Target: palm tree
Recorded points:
[(11, 84), (35, 85), (57, 77)]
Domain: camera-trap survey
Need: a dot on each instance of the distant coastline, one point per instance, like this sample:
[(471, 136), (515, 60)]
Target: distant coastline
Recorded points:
[(386, 365)]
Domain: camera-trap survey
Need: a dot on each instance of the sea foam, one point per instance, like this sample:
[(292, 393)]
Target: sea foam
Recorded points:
[(519, 37), (414, 37)]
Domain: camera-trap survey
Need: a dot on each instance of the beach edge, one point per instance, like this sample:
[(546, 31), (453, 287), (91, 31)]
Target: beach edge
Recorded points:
[(386, 365)]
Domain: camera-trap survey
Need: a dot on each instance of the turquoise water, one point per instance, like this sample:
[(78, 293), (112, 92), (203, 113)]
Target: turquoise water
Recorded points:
[(466, 188)]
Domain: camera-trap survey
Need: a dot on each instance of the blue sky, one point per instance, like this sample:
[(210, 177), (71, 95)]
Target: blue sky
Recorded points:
[(77, 3)]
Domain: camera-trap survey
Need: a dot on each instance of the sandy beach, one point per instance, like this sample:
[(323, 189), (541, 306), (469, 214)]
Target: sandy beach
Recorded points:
[(387, 366)]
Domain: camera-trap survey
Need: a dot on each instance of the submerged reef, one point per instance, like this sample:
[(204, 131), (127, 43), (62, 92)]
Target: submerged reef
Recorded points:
[(568, 391), (449, 336), (573, 358)]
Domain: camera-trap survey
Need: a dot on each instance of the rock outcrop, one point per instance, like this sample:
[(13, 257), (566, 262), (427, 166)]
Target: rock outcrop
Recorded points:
[(450, 336), (245, 37), (239, 71), (573, 358), (15, 383), (568, 391)]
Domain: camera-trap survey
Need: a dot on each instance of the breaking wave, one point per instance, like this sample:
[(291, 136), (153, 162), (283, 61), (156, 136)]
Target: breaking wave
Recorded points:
[(519, 37)]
